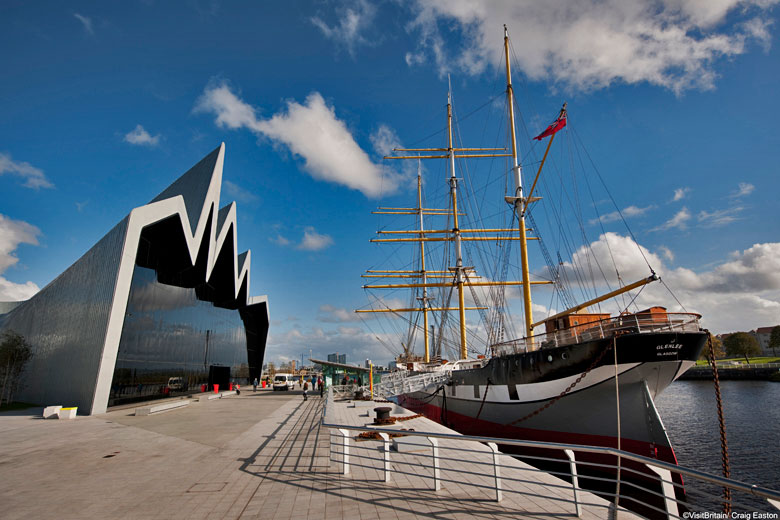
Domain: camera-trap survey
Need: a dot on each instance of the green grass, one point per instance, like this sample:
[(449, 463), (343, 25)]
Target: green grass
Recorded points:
[(741, 360), (10, 407)]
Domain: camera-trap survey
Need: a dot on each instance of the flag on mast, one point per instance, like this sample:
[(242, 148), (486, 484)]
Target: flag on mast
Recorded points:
[(555, 126)]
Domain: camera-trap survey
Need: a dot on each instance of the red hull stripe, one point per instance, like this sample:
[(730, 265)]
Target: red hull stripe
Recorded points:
[(477, 427)]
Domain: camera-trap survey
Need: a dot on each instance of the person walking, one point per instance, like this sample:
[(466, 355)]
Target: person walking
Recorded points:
[(254, 385), (305, 387), (322, 387)]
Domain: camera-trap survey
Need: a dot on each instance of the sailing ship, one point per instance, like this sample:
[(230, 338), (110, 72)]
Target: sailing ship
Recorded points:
[(590, 378)]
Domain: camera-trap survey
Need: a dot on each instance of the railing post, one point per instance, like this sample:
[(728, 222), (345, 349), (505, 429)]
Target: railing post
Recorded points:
[(496, 470), (345, 450), (436, 473), (386, 454), (668, 490), (575, 484)]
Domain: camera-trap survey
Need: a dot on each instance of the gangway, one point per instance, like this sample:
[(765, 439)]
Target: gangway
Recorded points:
[(401, 383)]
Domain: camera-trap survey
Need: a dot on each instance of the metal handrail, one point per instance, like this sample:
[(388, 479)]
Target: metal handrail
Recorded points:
[(758, 491), (601, 329)]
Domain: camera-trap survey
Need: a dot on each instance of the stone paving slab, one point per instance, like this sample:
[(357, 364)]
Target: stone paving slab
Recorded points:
[(257, 455)]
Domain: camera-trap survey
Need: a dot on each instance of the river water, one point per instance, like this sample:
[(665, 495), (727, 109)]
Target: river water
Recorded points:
[(752, 415)]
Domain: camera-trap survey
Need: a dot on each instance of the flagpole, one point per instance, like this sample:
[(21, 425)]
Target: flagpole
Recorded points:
[(561, 116), (539, 172)]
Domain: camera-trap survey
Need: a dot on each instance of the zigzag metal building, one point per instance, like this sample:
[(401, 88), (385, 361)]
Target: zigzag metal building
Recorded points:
[(159, 306)]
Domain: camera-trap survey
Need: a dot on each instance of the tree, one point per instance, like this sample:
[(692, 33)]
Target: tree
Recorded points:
[(774, 339), (741, 344), (15, 352), (717, 347)]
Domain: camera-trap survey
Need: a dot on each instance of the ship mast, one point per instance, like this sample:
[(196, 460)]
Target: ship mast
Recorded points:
[(424, 298), (518, 201), (456, 234), (459, 274)]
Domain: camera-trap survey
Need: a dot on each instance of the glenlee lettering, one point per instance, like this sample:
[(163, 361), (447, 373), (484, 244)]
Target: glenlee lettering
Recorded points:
[(668, 349)]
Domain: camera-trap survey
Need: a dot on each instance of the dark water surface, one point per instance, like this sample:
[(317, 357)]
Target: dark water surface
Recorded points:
[(752, 414)]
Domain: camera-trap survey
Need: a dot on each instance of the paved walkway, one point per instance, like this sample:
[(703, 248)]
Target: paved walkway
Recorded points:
[(260, 455)]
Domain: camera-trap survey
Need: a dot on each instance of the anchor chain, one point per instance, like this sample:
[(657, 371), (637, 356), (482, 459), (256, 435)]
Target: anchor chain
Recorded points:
[(724, 446), (568, 388)]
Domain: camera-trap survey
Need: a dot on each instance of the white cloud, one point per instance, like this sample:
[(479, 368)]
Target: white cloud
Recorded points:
[(679, 220), (280, 240), (669, 43), (666, 253), (628, 258), (141, 137), (85, 21), (238, 193), (331, 314), (351, 22), (719, 217), (680, 194), (13, 233), (313, 241), (310, 131), (33, 177), (356, 343), (630, 211), (745, 188), (741, 293)]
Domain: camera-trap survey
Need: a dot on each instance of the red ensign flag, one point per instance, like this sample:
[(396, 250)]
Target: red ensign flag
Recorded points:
[(555, 126)]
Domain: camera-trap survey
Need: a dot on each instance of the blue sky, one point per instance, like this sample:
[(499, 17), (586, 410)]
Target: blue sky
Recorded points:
[(104, 104)]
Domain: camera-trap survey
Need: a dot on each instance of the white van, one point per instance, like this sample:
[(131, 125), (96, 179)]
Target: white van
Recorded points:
[(284, 381)]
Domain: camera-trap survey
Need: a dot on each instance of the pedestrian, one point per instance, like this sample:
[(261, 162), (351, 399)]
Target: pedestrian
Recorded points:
[(322, 387), (359, 381), (305, 387), (254, 385), (344, 381)]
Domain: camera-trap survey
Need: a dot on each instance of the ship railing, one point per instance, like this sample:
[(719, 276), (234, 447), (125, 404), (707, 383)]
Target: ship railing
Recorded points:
[(601, 329), (647, 487)]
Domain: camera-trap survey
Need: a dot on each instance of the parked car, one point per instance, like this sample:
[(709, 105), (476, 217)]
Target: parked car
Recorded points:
[(284, 381), (175, 384)]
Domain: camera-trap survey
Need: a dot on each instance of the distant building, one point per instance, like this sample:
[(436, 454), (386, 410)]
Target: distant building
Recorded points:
[(338, 358), (368, 363), (762, 334)]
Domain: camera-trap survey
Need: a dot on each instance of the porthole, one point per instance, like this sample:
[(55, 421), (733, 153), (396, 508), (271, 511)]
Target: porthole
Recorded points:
[(564, 356), (549, 358)]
